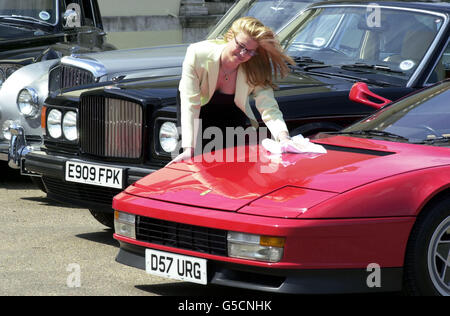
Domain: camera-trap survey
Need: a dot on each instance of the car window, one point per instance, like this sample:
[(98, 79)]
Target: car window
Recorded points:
[(319, 32), (345, 35), (273, 13), (422, 116), (41, 10), (442, 69)]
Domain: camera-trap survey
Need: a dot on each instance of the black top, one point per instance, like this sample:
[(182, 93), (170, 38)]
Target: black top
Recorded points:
[(221, 111)]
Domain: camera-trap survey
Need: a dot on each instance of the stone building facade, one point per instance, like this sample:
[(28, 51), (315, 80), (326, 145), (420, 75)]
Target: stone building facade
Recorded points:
[(143, 23)]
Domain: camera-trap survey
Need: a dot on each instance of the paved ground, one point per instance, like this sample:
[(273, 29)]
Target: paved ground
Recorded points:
[(48, 248), (43, 245)]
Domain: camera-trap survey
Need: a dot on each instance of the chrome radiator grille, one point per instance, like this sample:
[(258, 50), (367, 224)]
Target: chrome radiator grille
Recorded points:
[(110, 127), (65, 77)]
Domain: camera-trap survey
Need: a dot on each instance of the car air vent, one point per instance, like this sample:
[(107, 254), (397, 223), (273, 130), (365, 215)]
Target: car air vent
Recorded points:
[(58, 147), (358, 150), (110, 128), (182, 236), (66, 77), (80, 192)]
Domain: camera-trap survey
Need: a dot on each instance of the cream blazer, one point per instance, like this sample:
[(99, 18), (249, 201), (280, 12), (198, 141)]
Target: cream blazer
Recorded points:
[(198, 84)]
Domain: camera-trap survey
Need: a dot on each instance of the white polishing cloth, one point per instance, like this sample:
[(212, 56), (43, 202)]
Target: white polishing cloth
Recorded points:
[(296, 145)]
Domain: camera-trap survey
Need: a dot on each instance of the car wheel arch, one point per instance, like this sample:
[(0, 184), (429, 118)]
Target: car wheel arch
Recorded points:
[(104, 218), (437, 197), (417, 250)]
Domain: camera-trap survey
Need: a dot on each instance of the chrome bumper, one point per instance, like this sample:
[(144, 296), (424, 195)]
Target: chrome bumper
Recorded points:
[(18, 149), (4, 149)]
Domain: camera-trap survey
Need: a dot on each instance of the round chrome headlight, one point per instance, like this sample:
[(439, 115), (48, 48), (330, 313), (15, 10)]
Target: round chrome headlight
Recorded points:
[(54, 123), (168, 136), (69, 126), (28, 102)]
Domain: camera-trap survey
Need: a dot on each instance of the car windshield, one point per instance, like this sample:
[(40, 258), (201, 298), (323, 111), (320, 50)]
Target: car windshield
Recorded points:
[(273, 13), (364, 40), (421, 118), (38, 11)]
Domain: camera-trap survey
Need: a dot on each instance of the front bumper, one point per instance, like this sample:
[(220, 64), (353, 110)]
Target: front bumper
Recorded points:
[(293, 281), (52, 170), (4, 150), (14, 151), (320, 255), (19, 147)]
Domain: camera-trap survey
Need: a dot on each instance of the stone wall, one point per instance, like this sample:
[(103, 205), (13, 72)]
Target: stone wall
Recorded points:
[(149, 23), (198, 16)]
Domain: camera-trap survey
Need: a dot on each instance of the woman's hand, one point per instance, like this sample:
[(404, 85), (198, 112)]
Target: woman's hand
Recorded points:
[(187, 153), (283, 137)]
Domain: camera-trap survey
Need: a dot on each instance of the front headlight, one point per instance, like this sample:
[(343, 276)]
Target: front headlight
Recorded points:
[(28, 102), (168, 136), (255, 247), (124, 224), (54, 123), (69, 126)]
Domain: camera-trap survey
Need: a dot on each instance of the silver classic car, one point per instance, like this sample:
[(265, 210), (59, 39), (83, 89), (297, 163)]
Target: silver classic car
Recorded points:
[(27, 90), (34, 35)]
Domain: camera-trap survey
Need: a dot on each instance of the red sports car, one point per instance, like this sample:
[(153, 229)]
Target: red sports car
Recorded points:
[(370, 214)]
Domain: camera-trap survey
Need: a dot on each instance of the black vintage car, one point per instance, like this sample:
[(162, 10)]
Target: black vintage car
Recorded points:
[(33, 36), (98, 142), (33, 31)]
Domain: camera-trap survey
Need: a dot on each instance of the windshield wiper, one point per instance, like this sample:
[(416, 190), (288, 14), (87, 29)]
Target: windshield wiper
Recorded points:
[(312, 68), (309, 64), (372, 67), (305, 60), (437, 140), (372, 132), (21, 18)]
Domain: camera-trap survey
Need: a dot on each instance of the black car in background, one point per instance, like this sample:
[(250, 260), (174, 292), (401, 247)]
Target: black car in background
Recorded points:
[(33, 36), (99, 141), (33, 31), (26, 91)]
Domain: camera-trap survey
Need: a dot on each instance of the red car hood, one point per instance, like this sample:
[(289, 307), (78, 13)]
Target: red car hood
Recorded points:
[(263, 183)]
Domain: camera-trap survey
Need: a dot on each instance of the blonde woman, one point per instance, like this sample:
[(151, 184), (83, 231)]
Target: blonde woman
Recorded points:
[(219, 75)]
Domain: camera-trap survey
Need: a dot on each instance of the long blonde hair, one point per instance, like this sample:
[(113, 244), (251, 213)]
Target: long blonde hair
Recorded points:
[(270, 57)]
